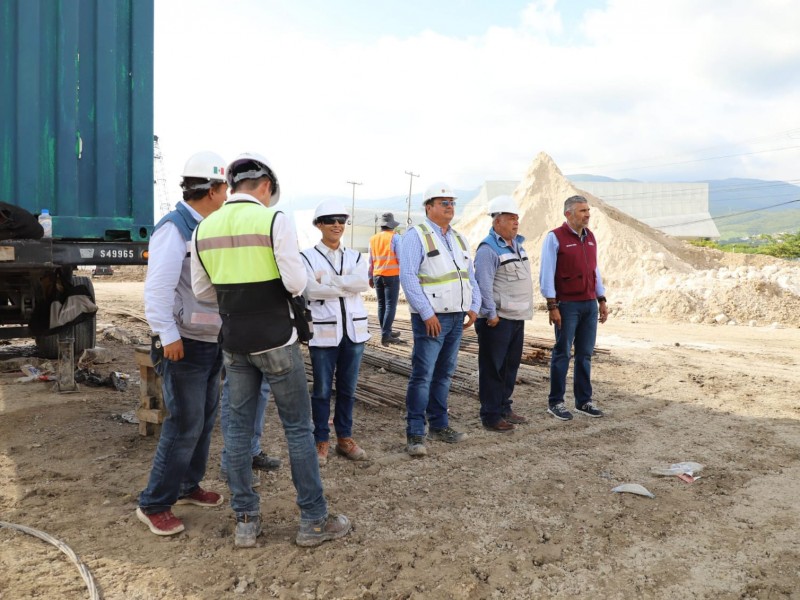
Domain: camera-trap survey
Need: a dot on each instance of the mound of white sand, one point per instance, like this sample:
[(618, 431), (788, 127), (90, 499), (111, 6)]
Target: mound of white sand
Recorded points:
[(647, 272)]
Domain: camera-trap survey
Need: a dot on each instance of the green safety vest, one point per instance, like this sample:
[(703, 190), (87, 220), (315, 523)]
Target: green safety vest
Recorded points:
[(234, 245)]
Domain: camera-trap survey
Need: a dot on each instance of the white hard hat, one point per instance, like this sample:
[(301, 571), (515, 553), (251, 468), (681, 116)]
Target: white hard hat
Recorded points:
[(251, 165), (438, 190), (503, 204), (205, 165), (329, 208)]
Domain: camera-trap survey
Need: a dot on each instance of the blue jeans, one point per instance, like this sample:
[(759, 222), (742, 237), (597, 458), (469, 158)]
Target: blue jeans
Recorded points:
[(387, 288), (225, 410), (433, 361), (499, 355), (578, 326), (191, 397), (345, 361), (284, 369)]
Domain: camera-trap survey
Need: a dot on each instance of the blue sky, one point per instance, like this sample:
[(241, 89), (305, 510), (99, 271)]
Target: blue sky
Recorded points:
[(462, 91)]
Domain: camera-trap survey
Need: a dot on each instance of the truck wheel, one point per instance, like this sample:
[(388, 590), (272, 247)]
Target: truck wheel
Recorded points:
[(85, 332)]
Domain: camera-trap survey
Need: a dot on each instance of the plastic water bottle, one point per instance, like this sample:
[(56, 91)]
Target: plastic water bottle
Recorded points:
[(46, 221)]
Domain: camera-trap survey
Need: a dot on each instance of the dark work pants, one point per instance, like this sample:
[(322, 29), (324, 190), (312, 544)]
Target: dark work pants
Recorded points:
[(499, 355)]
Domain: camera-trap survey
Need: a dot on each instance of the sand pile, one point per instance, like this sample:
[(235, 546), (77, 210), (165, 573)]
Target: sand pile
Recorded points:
[(647, 272)]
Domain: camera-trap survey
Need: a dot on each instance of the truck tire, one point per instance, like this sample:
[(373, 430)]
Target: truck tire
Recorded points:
[(85, 332)]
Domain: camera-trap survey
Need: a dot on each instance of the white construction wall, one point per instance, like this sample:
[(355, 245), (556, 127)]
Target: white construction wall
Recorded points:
[(678, 209)]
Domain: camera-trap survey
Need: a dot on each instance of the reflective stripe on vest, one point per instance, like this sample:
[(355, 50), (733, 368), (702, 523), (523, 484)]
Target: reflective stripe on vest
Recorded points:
[(430, 244), (237, 255), (444, 275), (384, 261), (233, 247)]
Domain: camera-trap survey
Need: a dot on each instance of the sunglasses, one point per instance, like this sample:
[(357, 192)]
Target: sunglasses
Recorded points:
[(333, 220), (447, 203)]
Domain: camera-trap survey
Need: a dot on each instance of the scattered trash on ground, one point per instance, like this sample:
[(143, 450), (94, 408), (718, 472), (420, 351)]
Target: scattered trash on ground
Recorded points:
[(634, 488), (34, 374), (130, 417), (116, 379), (685, 471)]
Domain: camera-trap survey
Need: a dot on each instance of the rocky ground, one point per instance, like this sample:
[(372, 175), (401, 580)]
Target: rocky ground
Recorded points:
[(526, 515)]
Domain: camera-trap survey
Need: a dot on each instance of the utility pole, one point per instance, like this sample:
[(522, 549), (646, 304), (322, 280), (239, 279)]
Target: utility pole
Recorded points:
[(410, 181), (353, 211)]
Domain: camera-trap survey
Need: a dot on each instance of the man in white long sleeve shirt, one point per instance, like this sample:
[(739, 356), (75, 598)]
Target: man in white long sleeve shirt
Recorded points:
[(336, 278), (185, 352)]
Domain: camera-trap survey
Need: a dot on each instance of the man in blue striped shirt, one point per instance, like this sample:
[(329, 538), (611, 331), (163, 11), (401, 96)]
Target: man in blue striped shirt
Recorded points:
[(438, 279)]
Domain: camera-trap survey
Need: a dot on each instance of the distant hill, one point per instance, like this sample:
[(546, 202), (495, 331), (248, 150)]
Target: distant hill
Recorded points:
[(588, 177), (728, 197)]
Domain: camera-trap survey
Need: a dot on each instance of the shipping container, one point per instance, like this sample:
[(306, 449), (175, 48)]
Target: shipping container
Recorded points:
[(76, 138), (76, 114)]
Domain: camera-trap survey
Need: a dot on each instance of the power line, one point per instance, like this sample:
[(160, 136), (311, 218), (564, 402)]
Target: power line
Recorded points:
[(411, 176), (716, 190), (744, 212), (353, 210)]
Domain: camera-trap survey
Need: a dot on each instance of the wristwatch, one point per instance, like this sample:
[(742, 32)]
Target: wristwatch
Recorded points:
[(601, 299)]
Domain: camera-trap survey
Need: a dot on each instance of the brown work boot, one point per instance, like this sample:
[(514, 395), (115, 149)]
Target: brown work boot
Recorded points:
[(322, 453), (348, 448), (502, 426), (515, 419)]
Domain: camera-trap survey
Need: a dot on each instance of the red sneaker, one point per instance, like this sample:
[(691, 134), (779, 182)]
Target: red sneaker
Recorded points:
[(163, 523), (201, 497)]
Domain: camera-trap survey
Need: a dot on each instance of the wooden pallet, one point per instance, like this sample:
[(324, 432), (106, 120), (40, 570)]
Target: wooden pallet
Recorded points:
[(151, 412)]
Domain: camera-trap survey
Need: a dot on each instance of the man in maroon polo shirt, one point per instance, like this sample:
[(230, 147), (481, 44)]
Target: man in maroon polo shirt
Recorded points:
[(570, 281)]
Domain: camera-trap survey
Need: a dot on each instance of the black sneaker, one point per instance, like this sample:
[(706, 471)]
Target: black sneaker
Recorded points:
[(262, 462), (395, 334), (447, 434), (560, 412), (590, 410)]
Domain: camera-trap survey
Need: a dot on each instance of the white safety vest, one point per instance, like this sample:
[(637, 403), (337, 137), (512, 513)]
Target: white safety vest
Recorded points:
[(329, 315), (444, 278)]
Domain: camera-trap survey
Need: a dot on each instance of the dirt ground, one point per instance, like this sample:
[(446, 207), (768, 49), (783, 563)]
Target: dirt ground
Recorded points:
[(527, 515)]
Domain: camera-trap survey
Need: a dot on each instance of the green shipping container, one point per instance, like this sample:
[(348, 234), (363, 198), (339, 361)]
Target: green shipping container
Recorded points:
[(76, 114)]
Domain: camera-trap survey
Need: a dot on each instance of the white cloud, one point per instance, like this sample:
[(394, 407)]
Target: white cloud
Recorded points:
[(648, 80), (542, 18)]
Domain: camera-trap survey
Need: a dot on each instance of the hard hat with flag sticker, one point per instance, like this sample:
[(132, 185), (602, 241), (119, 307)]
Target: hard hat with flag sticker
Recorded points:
[(203, 165)]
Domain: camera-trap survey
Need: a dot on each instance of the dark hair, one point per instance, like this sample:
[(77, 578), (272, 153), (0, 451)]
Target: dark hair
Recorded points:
[(248, 185), (196, 188), (251, 165)]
